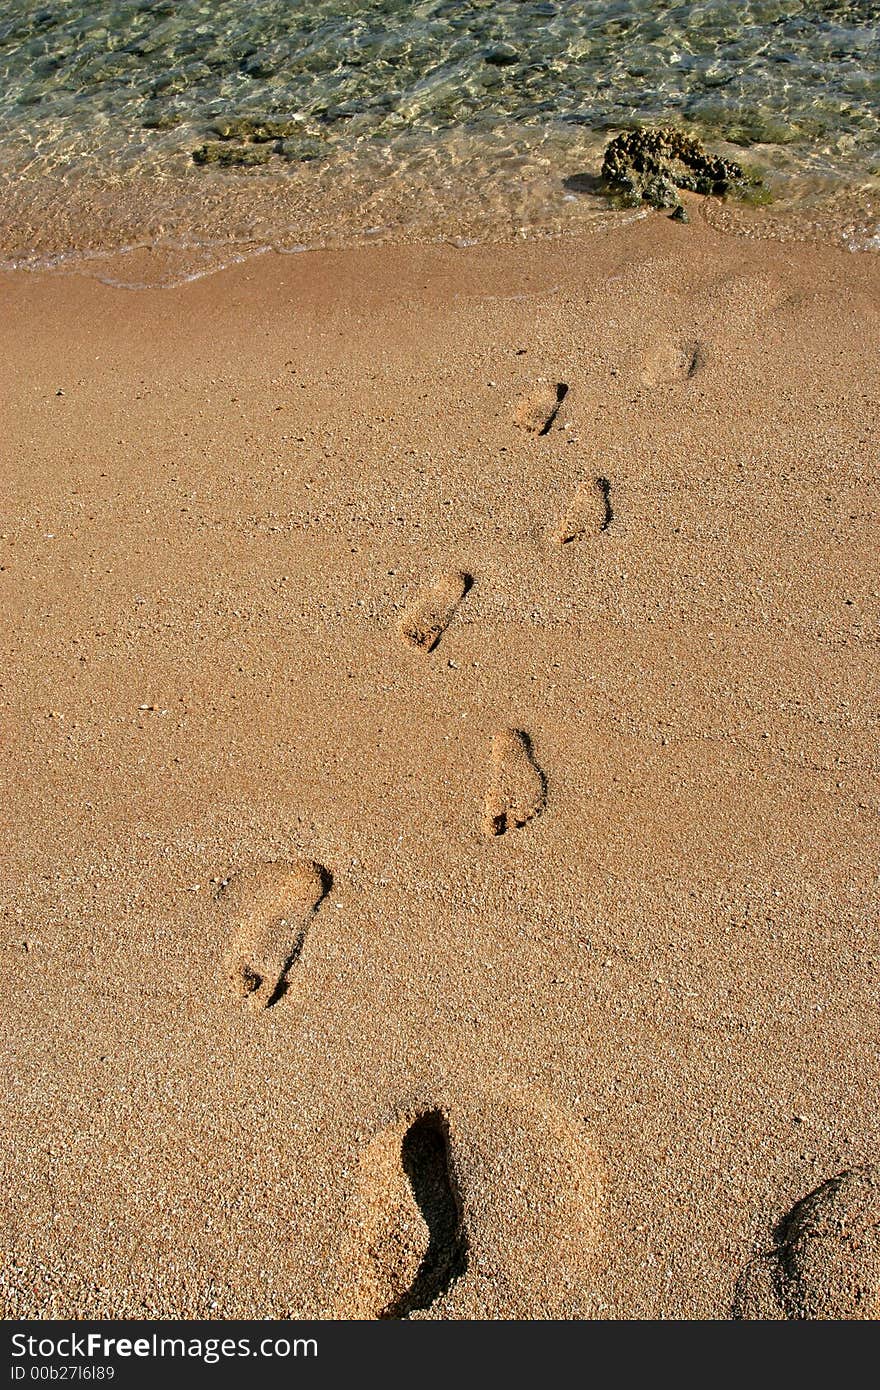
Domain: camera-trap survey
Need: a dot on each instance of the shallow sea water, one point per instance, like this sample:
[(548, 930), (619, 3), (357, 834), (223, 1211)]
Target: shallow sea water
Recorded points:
[(473, 120)]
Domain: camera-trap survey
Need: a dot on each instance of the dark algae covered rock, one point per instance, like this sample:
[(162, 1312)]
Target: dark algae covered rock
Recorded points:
[(261, 131), (228, 156), (249, 141), (650, 165)]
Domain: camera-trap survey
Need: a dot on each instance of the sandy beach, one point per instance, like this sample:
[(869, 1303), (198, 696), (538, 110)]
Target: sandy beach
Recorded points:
[(439, 795)]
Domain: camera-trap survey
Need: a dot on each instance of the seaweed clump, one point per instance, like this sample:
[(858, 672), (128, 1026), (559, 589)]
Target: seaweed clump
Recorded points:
[(651, 165)]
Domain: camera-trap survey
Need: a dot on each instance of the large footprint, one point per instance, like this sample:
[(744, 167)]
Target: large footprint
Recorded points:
[(487, 1188), (268, 907), (410, 1215), (826, 1259)]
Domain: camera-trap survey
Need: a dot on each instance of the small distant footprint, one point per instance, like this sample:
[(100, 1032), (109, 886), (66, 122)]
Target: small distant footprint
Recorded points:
[(517, 787), (825, 1263), (590, 512), (268, 907), (430, 613), (536, 408), (671, 360)]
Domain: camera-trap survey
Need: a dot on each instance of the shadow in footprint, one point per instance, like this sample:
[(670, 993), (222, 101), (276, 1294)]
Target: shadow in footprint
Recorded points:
[(561, 393), (425, 1158), (695, 358), (604, 486), (825, 1259)]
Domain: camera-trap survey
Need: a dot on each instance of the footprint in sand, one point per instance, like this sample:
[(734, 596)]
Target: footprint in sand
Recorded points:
[(589, 513), (536, 408), (485, 1188), (429, 615), (409, 1202), (671, 361), (825, 1263), (268, 908), (517, 788)]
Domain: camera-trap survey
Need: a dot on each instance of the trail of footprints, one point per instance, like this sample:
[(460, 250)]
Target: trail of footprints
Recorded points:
[(411, 1233), (412, 1242), (268, 907)]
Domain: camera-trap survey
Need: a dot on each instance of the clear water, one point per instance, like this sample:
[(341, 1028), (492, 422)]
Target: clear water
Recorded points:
[(447, 118)]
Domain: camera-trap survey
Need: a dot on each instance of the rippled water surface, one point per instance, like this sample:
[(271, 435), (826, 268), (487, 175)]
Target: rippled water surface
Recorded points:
[(466, 120)]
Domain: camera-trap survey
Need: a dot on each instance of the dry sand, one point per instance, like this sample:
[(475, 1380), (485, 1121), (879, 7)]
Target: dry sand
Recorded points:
[(603, 1054)]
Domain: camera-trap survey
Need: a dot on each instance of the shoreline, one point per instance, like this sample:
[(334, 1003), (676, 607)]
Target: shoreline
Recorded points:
[(157, 232), (646, 1015)]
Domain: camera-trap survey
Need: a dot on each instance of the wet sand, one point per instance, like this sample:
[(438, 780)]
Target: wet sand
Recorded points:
[(440, 872)]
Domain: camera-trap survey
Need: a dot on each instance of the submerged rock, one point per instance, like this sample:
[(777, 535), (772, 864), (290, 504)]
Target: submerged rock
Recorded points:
[(302, 149), (156, 116), (247, 141), (649, 165), (502, 55), (216, 152), (258, 129)]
